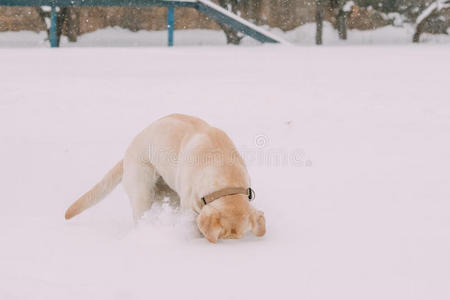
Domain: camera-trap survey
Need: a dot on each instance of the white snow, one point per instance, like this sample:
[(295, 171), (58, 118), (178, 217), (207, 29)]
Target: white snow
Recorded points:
[(347, 148), (303, 35), (348, 6)]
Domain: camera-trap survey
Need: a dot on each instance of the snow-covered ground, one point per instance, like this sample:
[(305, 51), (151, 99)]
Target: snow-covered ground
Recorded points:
[(303, 35), (348, 150)]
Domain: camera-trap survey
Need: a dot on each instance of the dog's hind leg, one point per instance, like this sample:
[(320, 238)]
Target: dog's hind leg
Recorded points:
[(164, 191), (139, 181)]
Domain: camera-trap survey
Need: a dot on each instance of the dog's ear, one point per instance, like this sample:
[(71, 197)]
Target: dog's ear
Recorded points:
[(258, 223), (209, 224)]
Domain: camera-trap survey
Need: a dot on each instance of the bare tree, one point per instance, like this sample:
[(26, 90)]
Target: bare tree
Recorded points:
[(341, 22), (341, 19), (233, 37), (70, 20), (319, 21), (430, 12)]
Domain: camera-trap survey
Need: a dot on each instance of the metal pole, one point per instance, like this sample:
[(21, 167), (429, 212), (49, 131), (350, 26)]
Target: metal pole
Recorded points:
[(53, 28), (170, 24)]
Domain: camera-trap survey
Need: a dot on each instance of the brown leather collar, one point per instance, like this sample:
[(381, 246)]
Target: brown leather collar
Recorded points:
[(227, 192)]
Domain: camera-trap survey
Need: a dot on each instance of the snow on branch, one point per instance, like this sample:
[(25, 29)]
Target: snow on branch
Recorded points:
[(435, 6)]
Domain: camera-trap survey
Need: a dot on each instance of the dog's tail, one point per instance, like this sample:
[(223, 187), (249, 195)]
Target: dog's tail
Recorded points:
[(98, 192)]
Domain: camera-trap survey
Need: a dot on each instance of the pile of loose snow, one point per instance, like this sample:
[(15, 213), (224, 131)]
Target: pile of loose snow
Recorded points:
[(347, 148)]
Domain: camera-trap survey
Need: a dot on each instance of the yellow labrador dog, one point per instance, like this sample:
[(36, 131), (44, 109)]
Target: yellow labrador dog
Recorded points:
[(189, 161)]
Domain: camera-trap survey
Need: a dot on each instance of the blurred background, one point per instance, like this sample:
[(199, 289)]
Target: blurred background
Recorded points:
[(298, 21)]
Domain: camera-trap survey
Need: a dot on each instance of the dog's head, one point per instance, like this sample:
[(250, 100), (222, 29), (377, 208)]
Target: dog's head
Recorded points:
[(230, 217)]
